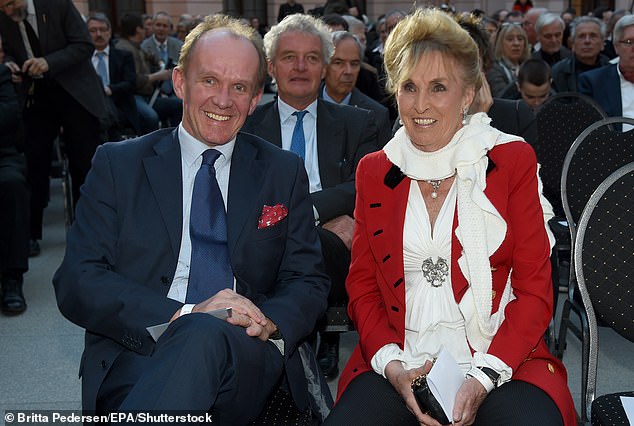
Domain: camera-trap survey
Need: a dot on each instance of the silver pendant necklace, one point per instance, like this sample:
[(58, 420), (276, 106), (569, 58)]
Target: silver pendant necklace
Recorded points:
[(435, 184)]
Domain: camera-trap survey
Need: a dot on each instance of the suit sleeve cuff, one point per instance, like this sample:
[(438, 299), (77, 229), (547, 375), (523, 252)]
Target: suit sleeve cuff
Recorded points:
[(186, 309)]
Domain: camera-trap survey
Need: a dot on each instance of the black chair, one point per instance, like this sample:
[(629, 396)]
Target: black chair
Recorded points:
[(604, 268), (559, 121), (598, 151)]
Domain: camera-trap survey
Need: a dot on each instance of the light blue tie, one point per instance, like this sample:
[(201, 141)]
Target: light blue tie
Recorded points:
[(298, 142), (102, 70), (210, 266), (163, 50)]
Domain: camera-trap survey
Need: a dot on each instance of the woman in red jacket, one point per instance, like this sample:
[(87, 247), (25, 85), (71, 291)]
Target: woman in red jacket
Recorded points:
[(450, 251)]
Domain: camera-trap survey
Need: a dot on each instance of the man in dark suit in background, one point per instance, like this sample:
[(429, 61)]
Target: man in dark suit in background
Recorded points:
[(152, 243), (48, 49), (14, 199), (612, 86), (340, 83), (330, 138), (115, 67)]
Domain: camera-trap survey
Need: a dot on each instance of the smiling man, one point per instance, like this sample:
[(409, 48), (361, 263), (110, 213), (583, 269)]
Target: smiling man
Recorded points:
[(330, 138), (183, 222)]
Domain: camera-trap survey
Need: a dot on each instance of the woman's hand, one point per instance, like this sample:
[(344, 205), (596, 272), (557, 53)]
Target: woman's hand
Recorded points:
[(468, 400), (401, 379)]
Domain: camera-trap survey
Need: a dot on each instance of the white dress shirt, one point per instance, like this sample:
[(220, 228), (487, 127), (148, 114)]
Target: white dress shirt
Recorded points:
[(627, 98), (287, 122), (191, 159)]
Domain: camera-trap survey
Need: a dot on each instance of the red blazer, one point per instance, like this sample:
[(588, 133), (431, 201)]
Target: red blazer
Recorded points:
[(376, 287)]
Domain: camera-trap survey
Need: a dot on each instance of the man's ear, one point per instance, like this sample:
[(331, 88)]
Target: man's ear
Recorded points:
[(178, 81), (270, 68), (254, 101)]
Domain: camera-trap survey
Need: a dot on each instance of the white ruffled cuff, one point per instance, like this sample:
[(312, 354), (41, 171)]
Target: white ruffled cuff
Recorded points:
[(382, 357)]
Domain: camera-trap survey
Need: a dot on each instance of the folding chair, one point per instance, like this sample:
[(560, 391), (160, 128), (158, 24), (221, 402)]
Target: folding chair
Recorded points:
[(604, 268)]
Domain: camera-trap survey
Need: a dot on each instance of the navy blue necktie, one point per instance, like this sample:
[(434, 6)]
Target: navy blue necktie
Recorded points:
[(298, 142), (210, 267)]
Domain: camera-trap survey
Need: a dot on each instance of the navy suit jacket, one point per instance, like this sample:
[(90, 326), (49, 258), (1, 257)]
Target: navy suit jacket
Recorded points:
[(122, 84), (344, 135), (67, 47), (382, 114), (604, 86), (123, 248)]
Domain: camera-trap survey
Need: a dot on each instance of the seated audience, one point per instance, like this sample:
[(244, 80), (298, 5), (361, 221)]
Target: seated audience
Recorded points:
[(550, 31), (143, 252), (510, 50), (421, 280), (612, 85), (586, 34), (150, 106)]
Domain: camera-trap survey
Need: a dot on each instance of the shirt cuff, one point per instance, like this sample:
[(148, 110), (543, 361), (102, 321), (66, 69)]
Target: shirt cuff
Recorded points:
[(186, 309), (316, 215), (481, 359), (385, 355)]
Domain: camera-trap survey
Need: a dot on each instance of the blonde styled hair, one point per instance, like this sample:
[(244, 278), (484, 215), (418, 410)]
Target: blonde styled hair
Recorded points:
[(233, 27), (430, 30)]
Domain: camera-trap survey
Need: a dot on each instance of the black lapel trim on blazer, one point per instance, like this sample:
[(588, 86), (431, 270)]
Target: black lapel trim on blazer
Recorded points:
[(491, 164), (393, 177)]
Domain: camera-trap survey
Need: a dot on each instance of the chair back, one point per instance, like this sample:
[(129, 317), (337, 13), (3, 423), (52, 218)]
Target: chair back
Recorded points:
[(559, 121), (604, 266), (597, 152)]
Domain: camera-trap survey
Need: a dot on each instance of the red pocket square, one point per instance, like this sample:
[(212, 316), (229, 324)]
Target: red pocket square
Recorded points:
[(271, 215)]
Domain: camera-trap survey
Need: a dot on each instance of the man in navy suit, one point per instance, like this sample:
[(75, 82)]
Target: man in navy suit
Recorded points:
[(130, 252), (48, 50), (611, 86), (119, 77), (335, 138)]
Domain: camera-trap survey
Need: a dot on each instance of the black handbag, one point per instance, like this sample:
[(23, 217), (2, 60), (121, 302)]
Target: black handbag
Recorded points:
[(427, 401)]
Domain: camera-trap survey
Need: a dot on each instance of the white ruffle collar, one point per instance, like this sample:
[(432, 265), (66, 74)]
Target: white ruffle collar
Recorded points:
[(481, 229)]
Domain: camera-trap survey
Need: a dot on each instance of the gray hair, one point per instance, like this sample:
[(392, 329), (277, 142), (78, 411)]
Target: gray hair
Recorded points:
[(303, 24), (547, 19), (586, 20), (621, 25), (339, 36), (99, 17), (354, 23)]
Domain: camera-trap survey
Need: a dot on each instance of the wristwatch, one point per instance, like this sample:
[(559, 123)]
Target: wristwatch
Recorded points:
[(491, 374)]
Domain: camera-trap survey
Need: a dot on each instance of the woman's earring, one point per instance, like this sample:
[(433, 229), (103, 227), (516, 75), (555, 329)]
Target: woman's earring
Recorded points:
[(464, 116)]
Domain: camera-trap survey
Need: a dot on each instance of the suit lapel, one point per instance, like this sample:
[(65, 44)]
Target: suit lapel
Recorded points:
[(42, 13), (164, 172), (330, 145), (245, 179), (270, 128)]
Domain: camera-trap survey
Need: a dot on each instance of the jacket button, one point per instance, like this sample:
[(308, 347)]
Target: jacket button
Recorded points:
[(165, 280), (551, 368), (104, 364)]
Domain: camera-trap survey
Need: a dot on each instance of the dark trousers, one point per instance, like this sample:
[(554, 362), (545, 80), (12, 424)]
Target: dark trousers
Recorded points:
[(199, 364), (370, 399), (14, 214), (337, 263), (49, 109)]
